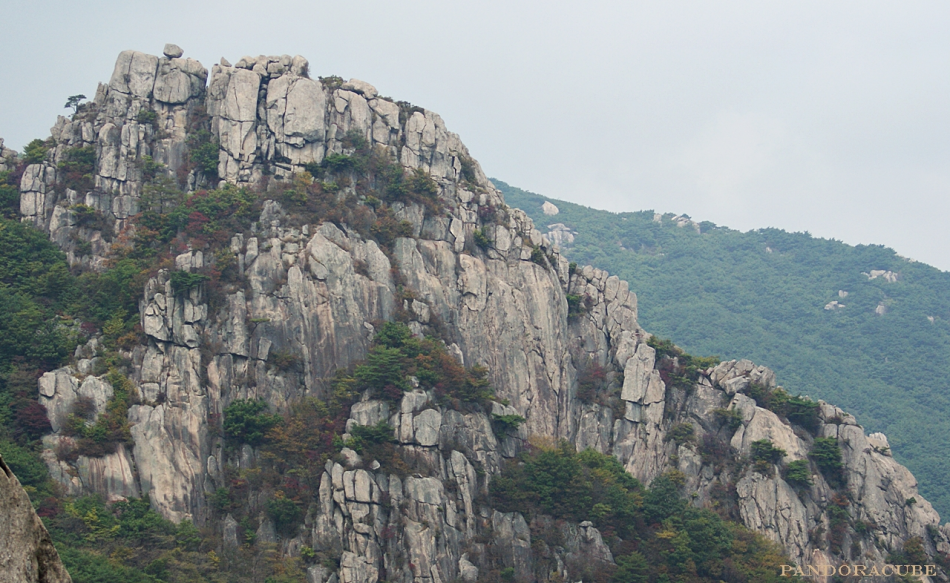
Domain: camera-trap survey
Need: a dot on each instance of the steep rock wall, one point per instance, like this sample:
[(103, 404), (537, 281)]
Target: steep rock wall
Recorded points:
[(314, 291), (26, 551)]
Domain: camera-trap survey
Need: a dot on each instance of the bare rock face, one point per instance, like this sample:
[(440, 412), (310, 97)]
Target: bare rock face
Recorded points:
[(267, 114), (311, 294), (140, 118), (26, 551), (60, 390)]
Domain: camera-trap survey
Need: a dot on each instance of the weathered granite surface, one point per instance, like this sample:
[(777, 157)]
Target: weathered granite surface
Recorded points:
[(26, 551), (314, 290)]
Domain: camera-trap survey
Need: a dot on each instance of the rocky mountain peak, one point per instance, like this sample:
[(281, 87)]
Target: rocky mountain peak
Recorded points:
[(308, 294)]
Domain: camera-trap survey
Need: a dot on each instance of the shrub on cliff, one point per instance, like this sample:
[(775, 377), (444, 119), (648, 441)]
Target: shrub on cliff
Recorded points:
[(246, 421), (798, 474), (577, 305), (827, 456), (102, 436), (383, 372), (284, 511), (730, 418), (35, 151), (764, 454), (480, 236), (797, 409), (204, 153), (678, 368), (591, 380), (764, 450), (681, 433), (184, 281), (77, 168), (396, 356), (655, 535), (505, 425)]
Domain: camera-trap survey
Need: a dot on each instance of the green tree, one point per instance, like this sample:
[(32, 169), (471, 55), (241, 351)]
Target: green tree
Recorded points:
[(204, 153), (25, 464), (247, 421), (709, 536), (73, 102), (284, 511), (798, 474), (663, 499), (827, 456), (183, 281), (558, 483), (35, 152), (632, 568), (9, 195), (763, 450), (383, 367)]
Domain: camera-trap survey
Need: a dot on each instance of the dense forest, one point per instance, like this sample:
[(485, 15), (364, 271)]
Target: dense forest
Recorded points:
[(882, 351)]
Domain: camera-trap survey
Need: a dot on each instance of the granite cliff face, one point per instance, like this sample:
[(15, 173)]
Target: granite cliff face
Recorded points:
[(314, 290), (26, 551)]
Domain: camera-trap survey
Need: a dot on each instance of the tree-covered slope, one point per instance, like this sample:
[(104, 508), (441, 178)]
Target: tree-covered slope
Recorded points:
[(762, 295)]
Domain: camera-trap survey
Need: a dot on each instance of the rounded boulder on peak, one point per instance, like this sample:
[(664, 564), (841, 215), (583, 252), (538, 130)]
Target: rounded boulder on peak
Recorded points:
[(172, 51)]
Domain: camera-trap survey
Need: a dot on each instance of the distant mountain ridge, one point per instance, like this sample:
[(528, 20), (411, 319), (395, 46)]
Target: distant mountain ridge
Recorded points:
[(874, 327)]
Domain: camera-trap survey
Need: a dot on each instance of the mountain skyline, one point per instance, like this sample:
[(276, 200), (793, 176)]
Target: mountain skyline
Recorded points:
[(349, 349), (807, 117)]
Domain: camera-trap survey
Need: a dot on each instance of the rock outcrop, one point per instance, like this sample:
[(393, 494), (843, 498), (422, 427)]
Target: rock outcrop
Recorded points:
[(26, 551), (136, 123), (7, 157), (313, 292)]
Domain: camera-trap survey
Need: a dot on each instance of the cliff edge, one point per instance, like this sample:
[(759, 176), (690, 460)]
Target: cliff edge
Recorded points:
[(26, 551)]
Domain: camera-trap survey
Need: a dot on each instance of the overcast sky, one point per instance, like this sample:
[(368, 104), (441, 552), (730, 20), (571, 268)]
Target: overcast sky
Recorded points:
[(832, 118)]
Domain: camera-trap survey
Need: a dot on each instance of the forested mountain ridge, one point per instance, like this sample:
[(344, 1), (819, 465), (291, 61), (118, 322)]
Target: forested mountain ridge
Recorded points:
[(287, 330), (873, 326)]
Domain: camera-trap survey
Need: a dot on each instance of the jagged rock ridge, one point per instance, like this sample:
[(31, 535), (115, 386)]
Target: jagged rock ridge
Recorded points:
[(313, 290)]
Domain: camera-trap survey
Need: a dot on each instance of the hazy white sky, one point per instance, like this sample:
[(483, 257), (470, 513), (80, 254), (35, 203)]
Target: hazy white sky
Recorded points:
[(830, 117)]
